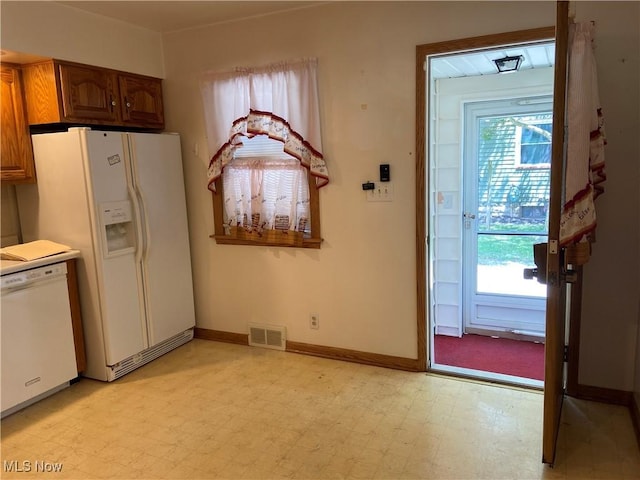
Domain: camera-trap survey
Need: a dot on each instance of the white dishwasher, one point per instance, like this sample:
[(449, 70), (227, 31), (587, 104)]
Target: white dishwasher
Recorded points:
[(38, 353)]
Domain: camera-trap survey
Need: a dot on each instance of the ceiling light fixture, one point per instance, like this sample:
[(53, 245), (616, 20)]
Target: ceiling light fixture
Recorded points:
[(508, 64)]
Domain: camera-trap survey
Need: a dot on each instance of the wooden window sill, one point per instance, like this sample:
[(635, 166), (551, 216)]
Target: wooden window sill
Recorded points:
[(227, 240)]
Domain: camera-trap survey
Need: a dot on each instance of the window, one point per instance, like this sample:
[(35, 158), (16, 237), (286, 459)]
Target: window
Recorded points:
[(263, 125), (533, 144), (266, 194)]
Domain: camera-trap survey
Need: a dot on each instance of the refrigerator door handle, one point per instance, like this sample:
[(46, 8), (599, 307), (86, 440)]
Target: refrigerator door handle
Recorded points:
[(141, 230), (141, 246), (141, 206), (137, 213), (145, 225)]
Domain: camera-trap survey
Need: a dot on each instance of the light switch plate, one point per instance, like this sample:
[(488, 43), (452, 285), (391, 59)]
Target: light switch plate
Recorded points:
[(383, 192)]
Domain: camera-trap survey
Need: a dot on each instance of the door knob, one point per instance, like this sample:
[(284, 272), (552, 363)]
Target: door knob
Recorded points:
[(468, 216)]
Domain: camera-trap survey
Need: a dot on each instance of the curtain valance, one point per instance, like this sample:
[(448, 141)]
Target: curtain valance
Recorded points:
[(279, 100)]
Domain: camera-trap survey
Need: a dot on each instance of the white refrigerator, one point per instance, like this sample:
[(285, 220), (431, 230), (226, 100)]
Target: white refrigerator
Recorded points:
[(118, 198)]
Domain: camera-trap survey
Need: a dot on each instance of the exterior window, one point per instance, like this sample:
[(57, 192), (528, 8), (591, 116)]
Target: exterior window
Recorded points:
[(533, 145), (266, 194), (267, 165)]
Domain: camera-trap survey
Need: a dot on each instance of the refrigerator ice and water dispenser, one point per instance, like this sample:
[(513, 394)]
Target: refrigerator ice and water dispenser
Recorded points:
[(118, 228)]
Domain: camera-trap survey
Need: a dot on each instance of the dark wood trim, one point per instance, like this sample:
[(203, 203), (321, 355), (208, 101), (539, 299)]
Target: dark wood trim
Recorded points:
[(634, 408), (314, 205), (422, 51), (422, 234), (218, 209), (604, 395), (76, 315), (555, 323), (334, 353), (220, 336), (613, 397), (575, 315), (376, 359), (486, 41), (227, 240)]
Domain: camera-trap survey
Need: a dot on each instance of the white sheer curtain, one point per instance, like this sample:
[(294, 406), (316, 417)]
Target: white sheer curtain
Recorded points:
[(279, 100), (279, 197)]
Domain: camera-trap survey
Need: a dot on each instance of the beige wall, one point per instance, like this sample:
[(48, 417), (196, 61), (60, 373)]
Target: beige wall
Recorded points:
[(362, 282), (53, 30), (611, 287)]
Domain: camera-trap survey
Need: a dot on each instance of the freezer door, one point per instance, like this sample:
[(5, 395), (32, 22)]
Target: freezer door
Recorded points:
[(119, 275), (166, 258)]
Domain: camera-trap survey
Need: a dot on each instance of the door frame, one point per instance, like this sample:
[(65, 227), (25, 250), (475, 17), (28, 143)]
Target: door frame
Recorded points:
[(422, 237)]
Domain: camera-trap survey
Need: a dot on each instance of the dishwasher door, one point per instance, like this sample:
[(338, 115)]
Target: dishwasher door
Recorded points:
[(38, 354)]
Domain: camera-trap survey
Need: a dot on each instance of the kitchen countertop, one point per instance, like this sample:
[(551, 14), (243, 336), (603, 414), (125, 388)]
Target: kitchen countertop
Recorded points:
[(13, 266)]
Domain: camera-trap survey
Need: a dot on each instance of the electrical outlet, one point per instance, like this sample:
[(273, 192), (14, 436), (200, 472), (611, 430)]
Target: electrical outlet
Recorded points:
[(314, 321)]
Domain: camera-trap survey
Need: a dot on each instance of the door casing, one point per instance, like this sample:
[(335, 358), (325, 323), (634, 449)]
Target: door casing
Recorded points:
[(422, 240)]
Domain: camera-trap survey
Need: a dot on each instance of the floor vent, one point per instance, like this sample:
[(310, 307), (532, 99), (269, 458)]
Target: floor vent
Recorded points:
[(267, 336), (139, 359)]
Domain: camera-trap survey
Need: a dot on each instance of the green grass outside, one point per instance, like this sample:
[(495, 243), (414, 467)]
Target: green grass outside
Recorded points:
[(528, 227), (503, 249)]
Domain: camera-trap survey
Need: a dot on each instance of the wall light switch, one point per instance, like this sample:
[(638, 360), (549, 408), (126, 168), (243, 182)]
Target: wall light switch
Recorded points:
[(383, 192)]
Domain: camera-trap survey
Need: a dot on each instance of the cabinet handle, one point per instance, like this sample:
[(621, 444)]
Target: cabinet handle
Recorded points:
[(113, 102), (127, 103)]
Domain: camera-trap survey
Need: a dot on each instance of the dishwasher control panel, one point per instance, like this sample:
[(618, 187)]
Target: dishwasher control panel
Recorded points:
[(34, 275)]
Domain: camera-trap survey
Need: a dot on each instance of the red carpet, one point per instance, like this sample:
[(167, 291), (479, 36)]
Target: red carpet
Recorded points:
[(498, 355)]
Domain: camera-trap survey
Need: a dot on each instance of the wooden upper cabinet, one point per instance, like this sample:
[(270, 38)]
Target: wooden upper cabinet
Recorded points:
[(65, 92), (16, 162), (87, 94), (141, 100)]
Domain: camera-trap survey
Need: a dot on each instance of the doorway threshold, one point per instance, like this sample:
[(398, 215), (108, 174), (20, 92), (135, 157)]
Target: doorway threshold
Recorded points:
[(488, 377)]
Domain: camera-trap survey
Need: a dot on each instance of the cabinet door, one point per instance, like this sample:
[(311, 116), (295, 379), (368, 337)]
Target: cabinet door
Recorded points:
[(17, 155), (87, 94), (141, 101)]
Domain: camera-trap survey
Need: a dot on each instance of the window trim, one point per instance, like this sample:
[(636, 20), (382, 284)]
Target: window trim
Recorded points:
[(314, 207)]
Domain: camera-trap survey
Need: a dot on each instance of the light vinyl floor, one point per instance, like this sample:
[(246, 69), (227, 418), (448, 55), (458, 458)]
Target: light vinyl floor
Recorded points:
[(216, 410)]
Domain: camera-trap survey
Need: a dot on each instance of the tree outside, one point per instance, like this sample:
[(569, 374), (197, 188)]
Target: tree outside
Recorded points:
[(514, 155)]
